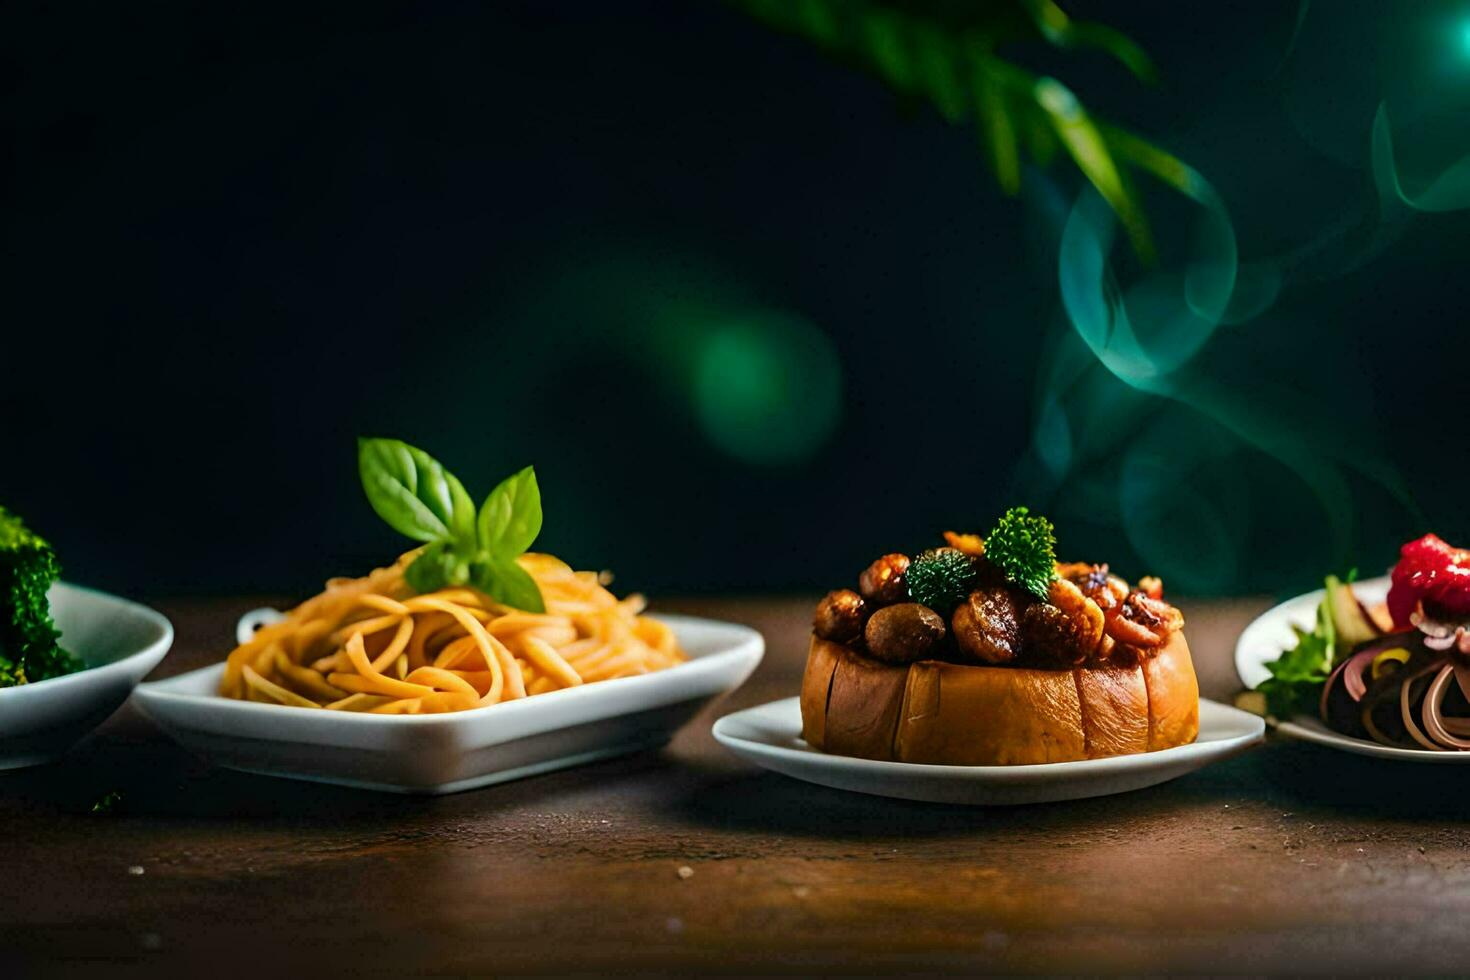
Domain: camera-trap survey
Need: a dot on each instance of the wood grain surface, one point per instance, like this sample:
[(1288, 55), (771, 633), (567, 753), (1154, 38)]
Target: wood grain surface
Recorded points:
[(1291, 858)]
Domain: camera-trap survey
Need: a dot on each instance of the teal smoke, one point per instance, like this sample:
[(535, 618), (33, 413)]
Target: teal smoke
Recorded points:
[(1162, 389)]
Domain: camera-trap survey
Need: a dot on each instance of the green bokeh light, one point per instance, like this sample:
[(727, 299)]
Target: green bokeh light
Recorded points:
[(767, 387), (756, 382)]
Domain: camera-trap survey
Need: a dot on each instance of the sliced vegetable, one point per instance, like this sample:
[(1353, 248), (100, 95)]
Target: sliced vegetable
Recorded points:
[(1352, 674), (1410, 691), (1351, 624), (1435, 721), (1398, 655)]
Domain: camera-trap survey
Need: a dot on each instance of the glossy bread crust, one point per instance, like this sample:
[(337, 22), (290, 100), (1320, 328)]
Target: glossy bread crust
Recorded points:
[(954, 714), (990, 716)]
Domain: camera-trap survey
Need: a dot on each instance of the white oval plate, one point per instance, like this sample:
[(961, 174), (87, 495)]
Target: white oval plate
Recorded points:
[(1265, 639), (770, 736), (119, 641), (460, 750)]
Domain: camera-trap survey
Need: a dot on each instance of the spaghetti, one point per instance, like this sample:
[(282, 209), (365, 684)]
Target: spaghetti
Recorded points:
[(374, 645)]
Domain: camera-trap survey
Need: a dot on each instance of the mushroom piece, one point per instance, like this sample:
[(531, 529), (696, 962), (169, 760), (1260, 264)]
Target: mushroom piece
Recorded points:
[(1066, 630), (903, 633)]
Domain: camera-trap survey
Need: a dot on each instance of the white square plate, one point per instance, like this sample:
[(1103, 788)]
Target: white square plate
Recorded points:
[(770, 736), (460, 750)]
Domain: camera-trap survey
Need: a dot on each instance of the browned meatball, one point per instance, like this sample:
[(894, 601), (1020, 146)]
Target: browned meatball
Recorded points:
[(987, 624), (1066, 631), (885, 581), (903, 633), (1050, 636), (840, 616)]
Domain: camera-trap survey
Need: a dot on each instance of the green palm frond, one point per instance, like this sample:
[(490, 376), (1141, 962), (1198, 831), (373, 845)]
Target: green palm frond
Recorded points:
[(944, 53)]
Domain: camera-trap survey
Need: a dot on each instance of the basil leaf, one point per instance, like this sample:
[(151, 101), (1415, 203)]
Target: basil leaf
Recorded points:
[(436, 566), (510, 518), (507, 583), (416, 496)]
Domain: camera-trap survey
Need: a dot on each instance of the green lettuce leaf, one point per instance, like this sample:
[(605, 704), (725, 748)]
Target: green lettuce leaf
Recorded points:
[(1295, 684)]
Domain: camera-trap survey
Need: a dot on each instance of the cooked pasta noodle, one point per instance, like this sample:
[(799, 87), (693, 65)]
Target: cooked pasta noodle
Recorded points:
[(372, 644)]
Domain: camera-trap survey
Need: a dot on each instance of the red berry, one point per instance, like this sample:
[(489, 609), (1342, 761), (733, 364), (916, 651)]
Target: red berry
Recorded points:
[(1430, 571)]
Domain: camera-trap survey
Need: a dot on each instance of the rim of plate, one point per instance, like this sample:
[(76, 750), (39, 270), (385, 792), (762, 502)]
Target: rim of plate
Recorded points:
[(1227, 745), (1360, 746)]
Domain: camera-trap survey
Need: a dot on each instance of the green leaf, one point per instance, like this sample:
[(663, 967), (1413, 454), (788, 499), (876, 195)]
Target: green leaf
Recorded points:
[(1297, 676), (998, 128), (882, 36), (510, 518), (1064, 32), (937, 73), (939, 49), (108, 802), (416, 496), (437, 566), (1039, 137), (507, 583), (1090, 152), (1159, 162), (817, 18)]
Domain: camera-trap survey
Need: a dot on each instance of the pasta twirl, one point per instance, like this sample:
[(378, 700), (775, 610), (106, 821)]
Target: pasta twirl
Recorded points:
[(372, 644)]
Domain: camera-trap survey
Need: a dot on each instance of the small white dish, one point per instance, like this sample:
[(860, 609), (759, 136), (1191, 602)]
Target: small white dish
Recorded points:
[(1270, 635), (119, 641), (770, 736), (446, 753)]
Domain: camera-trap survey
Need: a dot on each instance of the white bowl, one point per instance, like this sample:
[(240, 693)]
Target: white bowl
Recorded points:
[(459, 750), (770, 736), (119, 641), (1265, 639)]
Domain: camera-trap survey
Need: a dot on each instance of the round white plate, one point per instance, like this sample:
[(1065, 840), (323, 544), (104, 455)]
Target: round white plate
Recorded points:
[(1265, 639), (770, 736)]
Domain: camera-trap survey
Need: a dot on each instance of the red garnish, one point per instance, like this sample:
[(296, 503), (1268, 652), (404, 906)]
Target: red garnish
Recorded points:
[(1429, 571)]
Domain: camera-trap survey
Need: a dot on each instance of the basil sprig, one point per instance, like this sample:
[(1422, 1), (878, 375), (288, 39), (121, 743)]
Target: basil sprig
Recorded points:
[(419, 498)]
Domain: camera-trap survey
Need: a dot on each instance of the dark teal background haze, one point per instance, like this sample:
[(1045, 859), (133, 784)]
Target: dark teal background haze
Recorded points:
[(753, 319)]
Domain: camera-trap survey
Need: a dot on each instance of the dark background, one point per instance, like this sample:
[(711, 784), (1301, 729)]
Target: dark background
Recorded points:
[(753, 318)]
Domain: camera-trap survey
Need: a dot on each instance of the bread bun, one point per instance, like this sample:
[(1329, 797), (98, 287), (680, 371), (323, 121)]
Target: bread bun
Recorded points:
[(955, 714)]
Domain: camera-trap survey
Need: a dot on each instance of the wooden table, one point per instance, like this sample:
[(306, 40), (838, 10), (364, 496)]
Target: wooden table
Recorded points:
[(1290, 858)]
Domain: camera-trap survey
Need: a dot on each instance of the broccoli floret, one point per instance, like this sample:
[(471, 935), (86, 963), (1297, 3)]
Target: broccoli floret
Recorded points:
[(941, 578), (28, 647), (1025, 548)]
